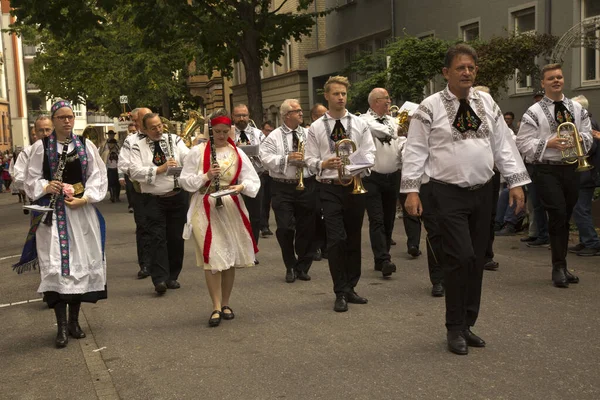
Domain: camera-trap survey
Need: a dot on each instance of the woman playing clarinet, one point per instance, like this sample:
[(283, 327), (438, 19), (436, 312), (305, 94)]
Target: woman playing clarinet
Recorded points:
[(223, 235), (66, 172)]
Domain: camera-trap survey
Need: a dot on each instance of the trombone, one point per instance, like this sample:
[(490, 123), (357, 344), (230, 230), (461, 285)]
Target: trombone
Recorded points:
[(573, 154), (340, 145)]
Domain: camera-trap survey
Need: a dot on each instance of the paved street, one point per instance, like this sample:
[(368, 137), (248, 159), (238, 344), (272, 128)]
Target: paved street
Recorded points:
[(287, 343)]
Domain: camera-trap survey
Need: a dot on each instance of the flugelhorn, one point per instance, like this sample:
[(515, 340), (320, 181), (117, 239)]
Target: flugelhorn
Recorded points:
[(300, 168), (573, 154), (342, 176)]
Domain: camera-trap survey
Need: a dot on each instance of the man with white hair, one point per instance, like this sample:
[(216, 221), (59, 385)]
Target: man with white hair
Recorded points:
[(282, 155)]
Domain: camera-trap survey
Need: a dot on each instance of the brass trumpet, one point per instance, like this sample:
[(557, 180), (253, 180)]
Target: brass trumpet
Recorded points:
[(574, 154), (300, 168), (342, 177)]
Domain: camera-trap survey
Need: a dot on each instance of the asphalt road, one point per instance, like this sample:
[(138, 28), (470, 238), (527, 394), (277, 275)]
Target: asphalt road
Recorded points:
[(287, 343)]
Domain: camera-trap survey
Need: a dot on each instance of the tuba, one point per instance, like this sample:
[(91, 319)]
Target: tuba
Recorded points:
[(195, 121), (402, 121), (343, 154), (567, 131)]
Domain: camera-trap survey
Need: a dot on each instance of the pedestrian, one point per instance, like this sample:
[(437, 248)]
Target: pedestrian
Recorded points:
[(110, 155), (221, 230)]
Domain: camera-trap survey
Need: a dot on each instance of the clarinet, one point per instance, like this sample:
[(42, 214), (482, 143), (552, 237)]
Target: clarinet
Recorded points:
[(213, 154), (58, 176), (175, 181)]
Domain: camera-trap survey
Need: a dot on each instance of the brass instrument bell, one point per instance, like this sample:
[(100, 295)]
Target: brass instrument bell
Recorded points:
[(342, 176), (568, 132)]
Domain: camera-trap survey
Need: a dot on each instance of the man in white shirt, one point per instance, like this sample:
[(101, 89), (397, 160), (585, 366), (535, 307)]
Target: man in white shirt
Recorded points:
[(556, 181), (42, 128), (455, 137), (384, 182), (249, 135), (343, 211), (294, 209), (165, 203)]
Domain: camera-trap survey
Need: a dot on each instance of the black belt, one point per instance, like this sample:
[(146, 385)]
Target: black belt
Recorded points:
[(469, 188), (548, 162), (168, 194), (291, 181)]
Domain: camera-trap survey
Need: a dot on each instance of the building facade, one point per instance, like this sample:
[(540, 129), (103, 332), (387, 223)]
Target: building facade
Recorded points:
[(361, 25)]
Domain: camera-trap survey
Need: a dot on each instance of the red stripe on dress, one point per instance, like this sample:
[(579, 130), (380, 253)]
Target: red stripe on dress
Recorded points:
[(208, 236)]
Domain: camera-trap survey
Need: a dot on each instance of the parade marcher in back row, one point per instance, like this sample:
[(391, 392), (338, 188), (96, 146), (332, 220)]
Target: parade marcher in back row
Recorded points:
[(455, 137), (42, 128), (110, 155), (65, 172), (383, 184), (557, 182), (165, 203), (343, 211), (294, 209)]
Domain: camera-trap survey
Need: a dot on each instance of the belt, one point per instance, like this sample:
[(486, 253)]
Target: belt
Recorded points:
[(548, 162), (288, 181), (168, 194), (332, 182), (468, 188)]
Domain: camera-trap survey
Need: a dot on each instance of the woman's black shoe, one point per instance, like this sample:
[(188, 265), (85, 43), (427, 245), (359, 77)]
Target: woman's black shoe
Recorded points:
[(227, 316), (215, 321)]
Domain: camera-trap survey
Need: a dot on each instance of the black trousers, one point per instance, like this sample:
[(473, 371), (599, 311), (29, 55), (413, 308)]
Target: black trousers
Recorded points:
[(114, 187), (265, 208), (489, 252), (434, 237), (253, 205), (412, 225), (462, 217), (343, 213), (295, 218), (129, 190), (558, 189), (165, 218), (142, 234), (382, 197)]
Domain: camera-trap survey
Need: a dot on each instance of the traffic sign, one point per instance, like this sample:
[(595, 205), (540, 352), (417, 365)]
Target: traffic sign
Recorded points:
[(123, 99)]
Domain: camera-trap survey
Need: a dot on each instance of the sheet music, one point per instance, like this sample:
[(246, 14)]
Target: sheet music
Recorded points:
[(174, 171), (250, 150), (224, 192)]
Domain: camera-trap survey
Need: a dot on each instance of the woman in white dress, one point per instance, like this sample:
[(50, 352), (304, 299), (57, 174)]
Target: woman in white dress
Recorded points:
[(223, 235), (70, 244)]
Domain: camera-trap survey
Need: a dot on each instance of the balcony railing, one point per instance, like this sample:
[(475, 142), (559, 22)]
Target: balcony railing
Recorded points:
[(29, 51), (98, 118)]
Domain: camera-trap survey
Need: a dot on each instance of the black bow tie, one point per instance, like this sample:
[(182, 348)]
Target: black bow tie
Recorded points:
[(381, 120), (466, 119), (244, 137), (561, 114)]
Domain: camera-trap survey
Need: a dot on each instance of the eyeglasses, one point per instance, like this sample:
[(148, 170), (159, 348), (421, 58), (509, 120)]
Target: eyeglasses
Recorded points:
[(299, 111), (241, 115), (65, 117), (386, 98)]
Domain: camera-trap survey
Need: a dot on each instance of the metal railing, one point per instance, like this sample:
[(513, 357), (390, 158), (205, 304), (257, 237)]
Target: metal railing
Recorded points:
[(98, 118), (29, 51)]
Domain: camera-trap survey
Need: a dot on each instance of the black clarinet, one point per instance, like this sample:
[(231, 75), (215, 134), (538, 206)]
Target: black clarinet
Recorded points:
[(58, 176), (213, 154), (175, 181)]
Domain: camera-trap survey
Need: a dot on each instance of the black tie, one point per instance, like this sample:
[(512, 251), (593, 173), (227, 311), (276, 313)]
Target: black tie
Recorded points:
[(295, 141), (159, 155), (466, 119), (561, 114), (339, 132), (381, 120), (243, 137)]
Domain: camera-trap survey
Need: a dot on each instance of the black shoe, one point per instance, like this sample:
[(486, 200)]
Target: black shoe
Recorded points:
[(393, 242), (256, 262), (215, 320), (160, 288), (62, 336), (508, 230), (290, 275), (130, 210), (378, 267), (472, 339), (73, 325), (577, 248), (528, 239), (173, 284), (414, 251), (589, 252), (387, 268), (227, 316), (341, 304), (559, 279), (570, 277), (539, 243), (317, 256), (265, 232), (457, 343), (354, 298), (143, 273), (303, 276), (491, 265), (437, 290)]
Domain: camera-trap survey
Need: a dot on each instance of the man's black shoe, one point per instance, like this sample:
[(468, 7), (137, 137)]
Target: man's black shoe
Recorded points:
[(457, 343), (160, 288), (354, 298), (437, 290), (491, 265), (173, 284), (539, 243), (472, 339), (559, 279), (570, 277), (392, 242), (303, 276), (265, 232), (387, 268), (143, 273), (578, 247), (528, 239), (290, 275), (414, 251), (341, 304)]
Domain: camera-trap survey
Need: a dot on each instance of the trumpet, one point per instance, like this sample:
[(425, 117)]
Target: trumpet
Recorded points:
[(300, 168), (343, 154), (567, 131)]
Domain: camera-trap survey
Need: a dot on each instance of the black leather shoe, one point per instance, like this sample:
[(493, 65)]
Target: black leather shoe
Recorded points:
[(341, 304), (559, 279), (143, 273), (377, 267), (354, 298), (392, 242), (160, 288), (491, 265), (303, 276), (173, 284), (472, 339), (414, 251), (570, 277), (256, 262), (227, 316), (215, 318), (317, 256), (528, 239), (387, 268), (290, 275), (437, 290), (457, 343)]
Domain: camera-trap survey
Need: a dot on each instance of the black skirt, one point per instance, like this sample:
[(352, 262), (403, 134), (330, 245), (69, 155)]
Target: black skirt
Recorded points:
[(53, 298)]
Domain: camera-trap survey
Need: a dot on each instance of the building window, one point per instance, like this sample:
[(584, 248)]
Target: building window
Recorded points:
[(523, 22), (288, 56), (590, 63), (77, 110), (470, 32)]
